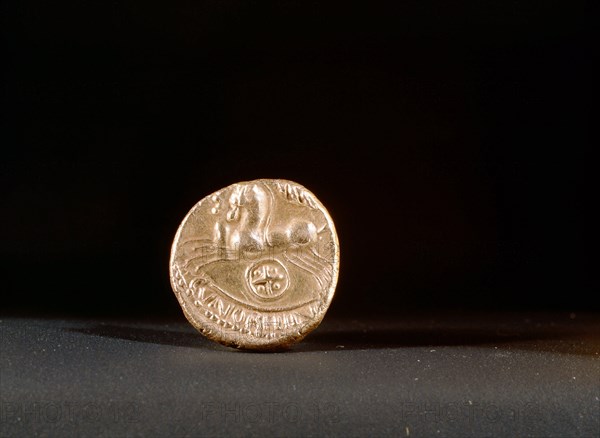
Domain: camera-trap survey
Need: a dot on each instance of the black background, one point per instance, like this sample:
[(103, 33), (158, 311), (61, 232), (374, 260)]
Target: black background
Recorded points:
[(447, 140)]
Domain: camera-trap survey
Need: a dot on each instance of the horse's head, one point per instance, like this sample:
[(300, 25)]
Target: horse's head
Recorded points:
[(249, 201)]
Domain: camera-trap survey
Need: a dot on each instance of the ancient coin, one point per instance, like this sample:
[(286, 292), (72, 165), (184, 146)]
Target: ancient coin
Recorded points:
[(255, 265)]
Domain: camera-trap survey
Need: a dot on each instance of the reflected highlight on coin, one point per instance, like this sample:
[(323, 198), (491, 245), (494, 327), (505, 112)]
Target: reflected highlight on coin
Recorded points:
[(255, 265)]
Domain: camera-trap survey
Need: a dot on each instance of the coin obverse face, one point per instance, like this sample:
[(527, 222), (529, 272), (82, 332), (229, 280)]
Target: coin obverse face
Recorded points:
[(255, 265)]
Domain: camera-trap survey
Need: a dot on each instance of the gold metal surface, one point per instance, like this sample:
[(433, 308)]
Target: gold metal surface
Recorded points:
[(255, 265)]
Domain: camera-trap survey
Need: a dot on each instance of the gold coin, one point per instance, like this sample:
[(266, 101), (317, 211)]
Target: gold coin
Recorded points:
[(255, 265)]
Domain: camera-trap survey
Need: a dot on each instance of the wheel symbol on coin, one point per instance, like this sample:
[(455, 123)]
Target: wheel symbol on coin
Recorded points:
[(268, 279)]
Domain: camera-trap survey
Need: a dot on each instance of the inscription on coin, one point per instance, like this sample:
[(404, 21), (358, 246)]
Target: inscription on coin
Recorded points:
[(255, 265)]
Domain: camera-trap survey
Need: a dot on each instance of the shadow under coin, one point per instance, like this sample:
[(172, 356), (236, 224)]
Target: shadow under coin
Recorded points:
[(581, 339), (159, 336)]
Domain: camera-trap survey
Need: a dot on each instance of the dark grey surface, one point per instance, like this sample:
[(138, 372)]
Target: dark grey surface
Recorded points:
[(459, 375)]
